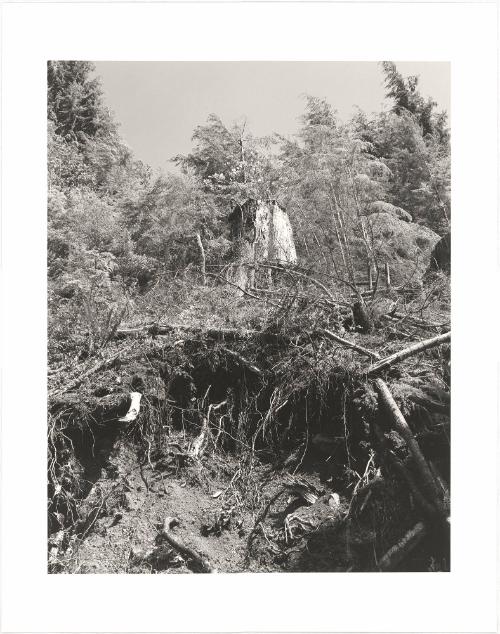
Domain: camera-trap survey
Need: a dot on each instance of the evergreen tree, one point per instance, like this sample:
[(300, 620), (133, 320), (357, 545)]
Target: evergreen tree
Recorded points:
[(406, 98), (74, 100)]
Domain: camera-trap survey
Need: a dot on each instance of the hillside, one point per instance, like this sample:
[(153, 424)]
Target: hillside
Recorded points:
[(249, 362)]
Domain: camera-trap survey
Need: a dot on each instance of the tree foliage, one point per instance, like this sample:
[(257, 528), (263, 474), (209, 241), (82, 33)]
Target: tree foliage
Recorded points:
[(115, 229), (74, 100)]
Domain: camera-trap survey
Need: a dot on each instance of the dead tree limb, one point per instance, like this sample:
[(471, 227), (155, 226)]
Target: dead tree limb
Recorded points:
[(244, 362), (349, 344), (244, 291), (399, 423), (291, 271), (76, 382), (395, 555), (167, 535), (408, 352)]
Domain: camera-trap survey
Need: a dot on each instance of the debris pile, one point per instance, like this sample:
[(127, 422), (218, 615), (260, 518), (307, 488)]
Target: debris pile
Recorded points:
[(288, 448)]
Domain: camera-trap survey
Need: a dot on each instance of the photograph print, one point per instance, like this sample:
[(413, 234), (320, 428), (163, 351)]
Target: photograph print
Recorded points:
[(248, 269)]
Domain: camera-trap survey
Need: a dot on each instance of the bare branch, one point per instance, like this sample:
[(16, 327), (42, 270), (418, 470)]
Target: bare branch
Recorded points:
[(408, 352)]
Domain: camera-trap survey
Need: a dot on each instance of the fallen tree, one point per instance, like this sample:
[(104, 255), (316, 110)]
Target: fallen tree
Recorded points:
[(277, 400), (389, 405)]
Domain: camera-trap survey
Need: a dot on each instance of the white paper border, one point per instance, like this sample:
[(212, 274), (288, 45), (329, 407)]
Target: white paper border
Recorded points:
[(460, 601)]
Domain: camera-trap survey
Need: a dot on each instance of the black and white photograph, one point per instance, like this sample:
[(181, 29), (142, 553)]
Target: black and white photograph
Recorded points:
[(249, 268), (248, 317)]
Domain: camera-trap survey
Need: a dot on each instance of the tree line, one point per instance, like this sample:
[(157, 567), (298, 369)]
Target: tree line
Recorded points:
[(114, 227)]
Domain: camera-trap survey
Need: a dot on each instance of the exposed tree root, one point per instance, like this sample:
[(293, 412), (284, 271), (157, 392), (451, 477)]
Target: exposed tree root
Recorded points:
[(271, 419), (167, 535)]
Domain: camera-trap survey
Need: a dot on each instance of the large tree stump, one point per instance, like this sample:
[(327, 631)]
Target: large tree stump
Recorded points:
[(262, 233)]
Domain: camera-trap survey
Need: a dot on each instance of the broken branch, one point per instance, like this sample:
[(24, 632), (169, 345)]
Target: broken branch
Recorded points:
[(408, 352), (349, 344)]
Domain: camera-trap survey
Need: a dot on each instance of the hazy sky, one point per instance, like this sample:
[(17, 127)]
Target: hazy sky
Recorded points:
[(158, 104)]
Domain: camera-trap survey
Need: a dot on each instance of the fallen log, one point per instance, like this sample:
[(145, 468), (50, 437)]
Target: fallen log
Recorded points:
[(395, 555), (388, 456), (408, 352), (348, 344), (232, 334), (167, 535), (224, 334), (399, 423), (166, 329)]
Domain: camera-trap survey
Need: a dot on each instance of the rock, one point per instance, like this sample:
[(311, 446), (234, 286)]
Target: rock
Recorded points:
[(380, 206), (405, 246), (441, 255)]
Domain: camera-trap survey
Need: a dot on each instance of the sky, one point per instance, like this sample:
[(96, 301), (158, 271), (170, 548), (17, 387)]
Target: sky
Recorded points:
[(159, 104)]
